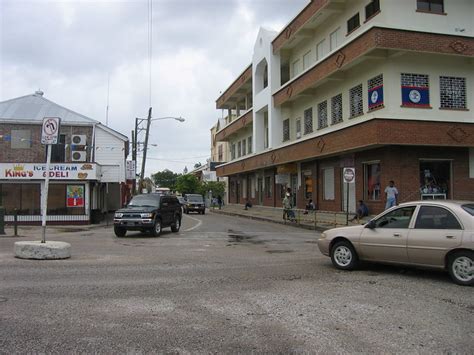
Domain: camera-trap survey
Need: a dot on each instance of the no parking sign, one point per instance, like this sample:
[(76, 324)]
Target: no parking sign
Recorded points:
[(349, 175)]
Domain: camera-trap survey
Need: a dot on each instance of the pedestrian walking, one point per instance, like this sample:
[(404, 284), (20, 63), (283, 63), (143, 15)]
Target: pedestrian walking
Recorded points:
[(287, 208), (391, 195), (219, 201)]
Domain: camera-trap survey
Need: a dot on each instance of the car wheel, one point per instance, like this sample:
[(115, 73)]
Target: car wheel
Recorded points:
[(176, 225), (156, 231), (203, 211), (461, 267), (120, 232), (343, 256)]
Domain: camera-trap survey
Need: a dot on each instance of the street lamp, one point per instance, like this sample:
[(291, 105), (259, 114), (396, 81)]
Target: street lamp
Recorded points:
[(149, 119)]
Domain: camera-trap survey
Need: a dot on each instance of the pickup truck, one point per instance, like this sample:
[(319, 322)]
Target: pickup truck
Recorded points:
[(148, 212), (194, 203)]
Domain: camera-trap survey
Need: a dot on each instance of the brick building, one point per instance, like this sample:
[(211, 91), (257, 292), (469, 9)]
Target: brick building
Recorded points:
[(87, 170), (385, 87)]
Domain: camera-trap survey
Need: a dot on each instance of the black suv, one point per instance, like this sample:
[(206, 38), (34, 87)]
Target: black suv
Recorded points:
[(194, 203), (148, 212)]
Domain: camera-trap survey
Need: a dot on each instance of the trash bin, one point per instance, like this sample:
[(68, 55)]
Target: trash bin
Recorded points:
[(96, 216), (2, 220)]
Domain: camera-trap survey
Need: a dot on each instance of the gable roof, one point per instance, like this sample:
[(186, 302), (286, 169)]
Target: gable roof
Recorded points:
[(33, 108)]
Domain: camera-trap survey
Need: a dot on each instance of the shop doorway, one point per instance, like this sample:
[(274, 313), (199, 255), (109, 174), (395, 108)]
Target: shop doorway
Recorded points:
[(260, 191), (435, 179)]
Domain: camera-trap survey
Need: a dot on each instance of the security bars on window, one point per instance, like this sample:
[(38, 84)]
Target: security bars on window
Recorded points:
[(336, 109), (308, 121), (322, 114), (356, 105)]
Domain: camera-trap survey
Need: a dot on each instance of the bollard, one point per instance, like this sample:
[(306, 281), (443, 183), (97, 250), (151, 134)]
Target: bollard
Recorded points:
[(15, 223), (2, 220)]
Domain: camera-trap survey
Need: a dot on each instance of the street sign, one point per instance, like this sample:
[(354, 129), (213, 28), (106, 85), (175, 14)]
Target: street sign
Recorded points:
[(50, 130), (130, 170), (349, 175)]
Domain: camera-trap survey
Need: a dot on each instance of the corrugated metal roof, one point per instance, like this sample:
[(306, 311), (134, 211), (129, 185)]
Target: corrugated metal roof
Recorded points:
[(35, 107)]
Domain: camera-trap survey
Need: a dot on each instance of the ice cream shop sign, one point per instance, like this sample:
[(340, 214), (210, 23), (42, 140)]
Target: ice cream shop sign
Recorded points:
[(18, 171)]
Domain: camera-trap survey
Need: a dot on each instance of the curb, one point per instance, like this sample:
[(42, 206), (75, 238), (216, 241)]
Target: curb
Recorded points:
[(264, 219)]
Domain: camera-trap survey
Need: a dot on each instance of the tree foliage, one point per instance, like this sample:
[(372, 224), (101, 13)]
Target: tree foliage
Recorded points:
[(187, 184), (217, 188), (165, 178)]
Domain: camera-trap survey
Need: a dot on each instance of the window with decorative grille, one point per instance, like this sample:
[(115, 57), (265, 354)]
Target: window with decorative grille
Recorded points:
[(453, 92), (308, 120), (355, 99), (298, 128), (286, 130), (336, 109), (322, 114)]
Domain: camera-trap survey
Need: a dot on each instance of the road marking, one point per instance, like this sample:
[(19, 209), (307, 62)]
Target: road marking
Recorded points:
[(196, 226)]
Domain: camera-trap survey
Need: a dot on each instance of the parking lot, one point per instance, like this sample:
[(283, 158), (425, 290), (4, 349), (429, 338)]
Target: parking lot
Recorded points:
[(222, 284)]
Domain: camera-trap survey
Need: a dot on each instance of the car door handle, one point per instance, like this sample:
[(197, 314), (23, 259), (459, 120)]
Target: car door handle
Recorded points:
[(398, 235), (450, 237)]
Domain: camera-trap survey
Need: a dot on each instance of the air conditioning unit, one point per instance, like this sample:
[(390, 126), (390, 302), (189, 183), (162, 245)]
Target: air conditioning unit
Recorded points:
[(78, 139), (78, 155)]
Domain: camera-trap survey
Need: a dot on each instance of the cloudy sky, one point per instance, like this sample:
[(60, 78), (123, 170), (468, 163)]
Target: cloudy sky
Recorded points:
[(71, 49)]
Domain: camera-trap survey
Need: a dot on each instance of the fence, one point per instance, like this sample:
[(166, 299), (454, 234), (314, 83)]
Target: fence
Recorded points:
[(320, 218)]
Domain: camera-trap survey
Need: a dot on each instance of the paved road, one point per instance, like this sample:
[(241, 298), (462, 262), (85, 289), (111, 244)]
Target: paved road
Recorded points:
[(222, 285)]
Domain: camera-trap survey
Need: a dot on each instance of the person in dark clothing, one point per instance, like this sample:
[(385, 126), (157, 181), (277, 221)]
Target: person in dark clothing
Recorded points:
[(362, 211), (219, 201), (248, 204)]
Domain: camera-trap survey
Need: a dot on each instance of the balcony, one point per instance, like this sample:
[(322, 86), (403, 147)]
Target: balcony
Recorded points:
[(241, 122), (375, 43)]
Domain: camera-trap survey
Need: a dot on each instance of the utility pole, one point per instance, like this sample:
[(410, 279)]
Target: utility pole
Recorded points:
[(145, 147), (134, 161)]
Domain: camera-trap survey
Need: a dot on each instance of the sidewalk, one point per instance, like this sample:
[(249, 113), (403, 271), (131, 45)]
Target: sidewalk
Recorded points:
[(315, 220), (34, 231)]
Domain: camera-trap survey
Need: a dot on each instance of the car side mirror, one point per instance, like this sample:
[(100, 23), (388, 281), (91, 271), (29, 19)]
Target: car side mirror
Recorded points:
[(370, 225)]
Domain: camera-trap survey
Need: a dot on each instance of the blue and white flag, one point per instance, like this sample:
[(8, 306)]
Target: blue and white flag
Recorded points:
[(416, 96), (375, 96)]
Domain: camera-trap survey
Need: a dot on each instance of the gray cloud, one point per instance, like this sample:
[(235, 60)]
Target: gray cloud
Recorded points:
[(70, 48)]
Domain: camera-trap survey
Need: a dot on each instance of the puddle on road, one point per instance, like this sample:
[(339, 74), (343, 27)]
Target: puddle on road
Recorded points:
[(278, 251), (241, 237)]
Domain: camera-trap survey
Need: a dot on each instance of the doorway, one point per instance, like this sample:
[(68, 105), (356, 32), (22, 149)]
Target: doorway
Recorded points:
[(260, 191), (435, 179)]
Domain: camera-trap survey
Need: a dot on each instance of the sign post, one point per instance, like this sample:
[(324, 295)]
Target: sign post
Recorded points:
[(49, 136), (349, 178)]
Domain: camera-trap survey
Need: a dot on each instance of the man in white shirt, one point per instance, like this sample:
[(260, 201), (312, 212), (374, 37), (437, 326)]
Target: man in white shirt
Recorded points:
[(391, 194)]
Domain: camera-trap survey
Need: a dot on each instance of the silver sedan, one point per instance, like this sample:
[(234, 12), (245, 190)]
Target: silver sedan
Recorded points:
[(435, 234)]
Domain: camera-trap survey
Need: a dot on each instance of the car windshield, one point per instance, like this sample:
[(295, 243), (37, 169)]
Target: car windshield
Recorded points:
[(469, 208), (194, 198), (144, 201)]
